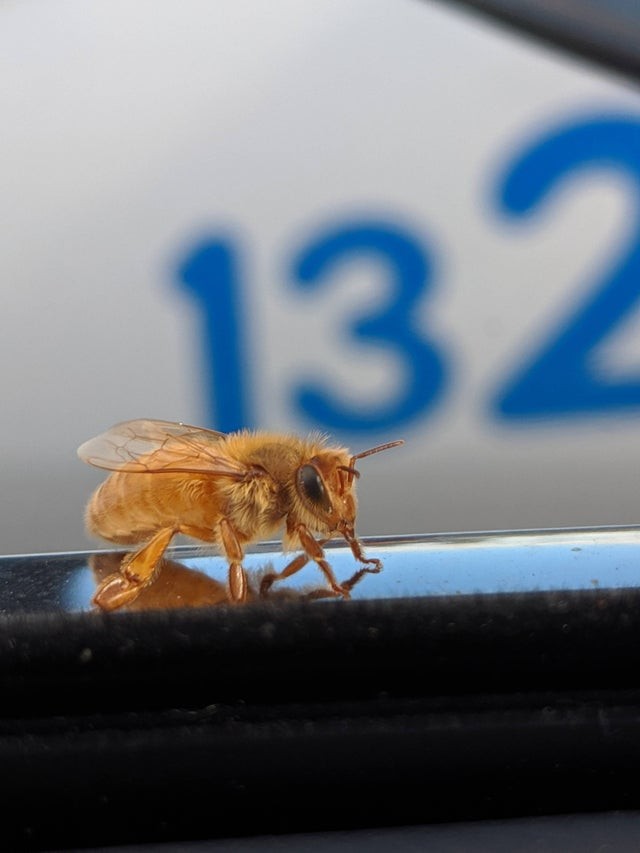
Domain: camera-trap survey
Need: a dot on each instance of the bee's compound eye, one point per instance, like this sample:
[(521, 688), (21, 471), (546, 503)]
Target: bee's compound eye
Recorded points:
[(312, 487)]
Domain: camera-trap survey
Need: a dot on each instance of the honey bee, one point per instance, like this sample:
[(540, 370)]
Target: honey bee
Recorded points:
[(229, 489)]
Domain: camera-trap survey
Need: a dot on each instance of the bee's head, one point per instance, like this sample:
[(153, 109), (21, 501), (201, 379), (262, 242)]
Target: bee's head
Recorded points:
[(325, 484)]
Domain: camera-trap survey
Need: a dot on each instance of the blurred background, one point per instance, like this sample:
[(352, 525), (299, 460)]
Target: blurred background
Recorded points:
[(378, 218)]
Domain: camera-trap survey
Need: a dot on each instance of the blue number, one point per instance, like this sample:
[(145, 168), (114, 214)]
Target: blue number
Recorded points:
[(210, 274), (394, 327), (561, 380)]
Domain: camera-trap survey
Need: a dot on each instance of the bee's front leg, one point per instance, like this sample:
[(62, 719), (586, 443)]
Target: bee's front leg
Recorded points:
[(356, 549), (291, 568), (314, 551)]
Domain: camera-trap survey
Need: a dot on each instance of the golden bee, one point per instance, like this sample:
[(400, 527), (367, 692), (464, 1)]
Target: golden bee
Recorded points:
[(229, 489)]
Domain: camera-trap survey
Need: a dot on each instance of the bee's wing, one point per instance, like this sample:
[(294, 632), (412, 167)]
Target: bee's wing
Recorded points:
[(150, 446)]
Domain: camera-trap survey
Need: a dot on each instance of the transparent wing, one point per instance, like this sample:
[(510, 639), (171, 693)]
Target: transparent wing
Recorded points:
[(150, 446)]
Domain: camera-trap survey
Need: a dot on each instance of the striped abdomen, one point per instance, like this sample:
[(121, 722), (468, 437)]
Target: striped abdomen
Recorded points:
[(129, 508)]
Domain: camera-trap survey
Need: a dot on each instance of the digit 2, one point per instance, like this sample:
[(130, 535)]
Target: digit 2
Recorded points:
[(560, 380)]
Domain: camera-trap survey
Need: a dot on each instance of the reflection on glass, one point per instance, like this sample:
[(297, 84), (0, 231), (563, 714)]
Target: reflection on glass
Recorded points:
[(177, 585), (454, 564)]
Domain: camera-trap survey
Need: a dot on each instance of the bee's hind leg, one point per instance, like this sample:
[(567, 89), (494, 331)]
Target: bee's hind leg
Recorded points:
[(136, 571)]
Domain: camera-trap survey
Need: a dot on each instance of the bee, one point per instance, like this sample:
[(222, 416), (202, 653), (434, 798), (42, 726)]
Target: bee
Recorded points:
[(228, 489)]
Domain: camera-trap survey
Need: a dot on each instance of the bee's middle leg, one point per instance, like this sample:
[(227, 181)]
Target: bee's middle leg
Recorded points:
[(226, 538), (234, 553)]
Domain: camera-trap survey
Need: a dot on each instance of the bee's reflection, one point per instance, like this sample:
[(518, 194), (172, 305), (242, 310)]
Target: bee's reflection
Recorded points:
[(177, 585)]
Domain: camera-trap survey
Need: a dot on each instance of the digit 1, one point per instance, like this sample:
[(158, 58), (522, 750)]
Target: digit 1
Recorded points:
[(210, 273)]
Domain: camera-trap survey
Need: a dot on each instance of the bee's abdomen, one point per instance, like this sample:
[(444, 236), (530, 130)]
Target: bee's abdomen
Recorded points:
[(130, 508)]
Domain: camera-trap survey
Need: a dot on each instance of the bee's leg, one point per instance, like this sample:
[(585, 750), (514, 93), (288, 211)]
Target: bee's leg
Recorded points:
[(226, 538), (136, 571), (290, 569), (347, 585), (312, 551), (358, 553), (234, 554)]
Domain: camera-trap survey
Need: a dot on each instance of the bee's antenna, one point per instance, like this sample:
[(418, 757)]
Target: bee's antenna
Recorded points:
[(370, 452), (377, 449)]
